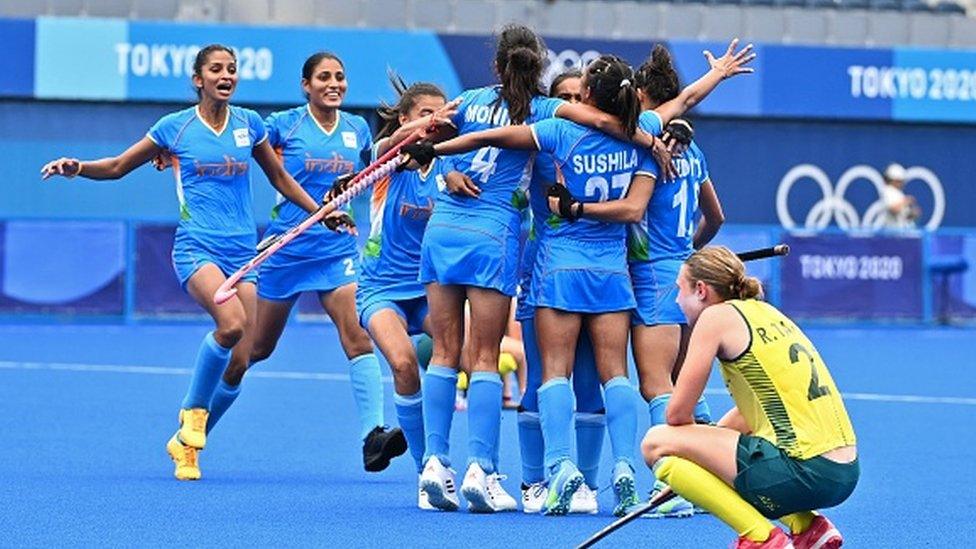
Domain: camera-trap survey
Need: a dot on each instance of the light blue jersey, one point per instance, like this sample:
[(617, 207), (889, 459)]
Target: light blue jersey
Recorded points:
[(475, 241), (213, 185), (315, 157), (668, 228), (581, 266)]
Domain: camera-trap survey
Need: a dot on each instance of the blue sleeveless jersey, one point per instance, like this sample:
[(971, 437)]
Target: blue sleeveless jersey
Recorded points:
[(315, 157), (213, 185), (581, 266), (668, 227)]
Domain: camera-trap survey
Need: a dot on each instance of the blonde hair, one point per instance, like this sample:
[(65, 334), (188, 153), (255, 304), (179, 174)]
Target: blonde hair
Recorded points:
[(721, 269)]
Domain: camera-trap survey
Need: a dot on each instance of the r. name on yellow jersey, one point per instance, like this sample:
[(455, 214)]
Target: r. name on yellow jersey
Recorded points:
[(782, 386)]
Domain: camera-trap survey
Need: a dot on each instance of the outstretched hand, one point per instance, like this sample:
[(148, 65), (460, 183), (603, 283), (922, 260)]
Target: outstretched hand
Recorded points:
[(732, 63), (66, 167)]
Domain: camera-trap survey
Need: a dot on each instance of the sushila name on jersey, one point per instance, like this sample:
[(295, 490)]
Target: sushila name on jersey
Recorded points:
[(605, 162)]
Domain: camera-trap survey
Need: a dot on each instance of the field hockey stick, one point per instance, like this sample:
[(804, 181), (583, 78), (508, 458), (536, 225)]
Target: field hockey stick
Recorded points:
[(382, 167), (661, 498), (764, 253)]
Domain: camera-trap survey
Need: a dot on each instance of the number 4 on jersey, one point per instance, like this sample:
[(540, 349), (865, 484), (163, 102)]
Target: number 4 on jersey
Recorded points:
[(483, 163)]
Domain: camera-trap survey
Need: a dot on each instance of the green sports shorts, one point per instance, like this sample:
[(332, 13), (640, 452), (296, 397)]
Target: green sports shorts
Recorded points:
[(778, 485)]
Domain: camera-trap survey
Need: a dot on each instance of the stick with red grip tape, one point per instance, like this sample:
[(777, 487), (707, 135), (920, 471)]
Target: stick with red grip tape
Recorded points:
[(382, 167)]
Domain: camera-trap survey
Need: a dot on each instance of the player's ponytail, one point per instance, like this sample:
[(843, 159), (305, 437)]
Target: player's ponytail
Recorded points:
[(610, 81), (408, 98), (721, 269), (201, 59), (656, 77), (518, 60)]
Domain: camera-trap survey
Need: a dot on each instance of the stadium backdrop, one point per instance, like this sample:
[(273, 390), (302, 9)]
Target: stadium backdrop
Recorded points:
[(831, 108)]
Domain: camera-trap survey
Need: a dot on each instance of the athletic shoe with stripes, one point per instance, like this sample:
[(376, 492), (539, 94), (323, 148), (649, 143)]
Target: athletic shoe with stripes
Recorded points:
[(821, 534), (439, 484), (584, 501), (676, 507), (562, 486), (533, 497)]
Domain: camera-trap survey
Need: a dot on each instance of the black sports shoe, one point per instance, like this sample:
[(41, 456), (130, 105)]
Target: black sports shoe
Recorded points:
[(382, 445)]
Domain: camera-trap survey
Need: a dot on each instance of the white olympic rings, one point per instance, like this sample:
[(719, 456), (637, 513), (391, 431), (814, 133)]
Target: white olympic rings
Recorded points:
[(833, 205)]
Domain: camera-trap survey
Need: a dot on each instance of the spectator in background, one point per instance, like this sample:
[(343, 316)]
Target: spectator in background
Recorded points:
[(901, 210)]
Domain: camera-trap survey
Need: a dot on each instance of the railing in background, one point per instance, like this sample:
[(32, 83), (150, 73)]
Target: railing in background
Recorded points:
[(121, 271)]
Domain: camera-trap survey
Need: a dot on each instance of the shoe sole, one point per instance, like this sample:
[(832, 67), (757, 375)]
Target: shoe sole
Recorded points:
[(675, 514), (626, 491), (394, 446), (436, 496), (477, 500), (565, 497)]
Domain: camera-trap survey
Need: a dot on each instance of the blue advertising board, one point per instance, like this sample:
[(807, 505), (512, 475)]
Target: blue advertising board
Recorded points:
[(852, 278), (17, 64)]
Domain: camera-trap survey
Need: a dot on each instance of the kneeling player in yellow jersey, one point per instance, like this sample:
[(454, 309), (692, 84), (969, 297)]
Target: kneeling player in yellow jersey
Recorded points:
[(787, 448)]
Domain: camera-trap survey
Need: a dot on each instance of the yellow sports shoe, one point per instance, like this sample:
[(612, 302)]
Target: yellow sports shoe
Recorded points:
[(506, 364), (185, 458), (193, 427), (462, 382)]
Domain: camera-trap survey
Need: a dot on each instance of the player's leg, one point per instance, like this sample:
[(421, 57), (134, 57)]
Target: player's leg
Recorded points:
[(440, 380), (489, 318), (531, 445), (229, 386), (557, 332), (591, 422), (608, 332), (700, 463), (380, 444)]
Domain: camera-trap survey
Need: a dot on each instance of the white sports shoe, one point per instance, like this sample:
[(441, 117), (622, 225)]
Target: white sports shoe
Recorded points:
[(484, 493), (422, 501), (534, 497), (439, 484), (584, 501)]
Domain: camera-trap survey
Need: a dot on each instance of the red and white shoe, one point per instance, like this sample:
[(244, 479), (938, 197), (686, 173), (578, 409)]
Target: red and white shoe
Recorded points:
[(822, 534), (777, 540)]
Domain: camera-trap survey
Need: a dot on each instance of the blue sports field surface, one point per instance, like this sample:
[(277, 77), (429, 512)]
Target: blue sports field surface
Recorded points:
[(88, 410)]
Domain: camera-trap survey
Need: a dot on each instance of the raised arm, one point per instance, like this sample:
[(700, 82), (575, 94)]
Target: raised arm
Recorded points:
[(115, 167), (712, 215), (506, 137), (629, 209), (281, 179), (440, 119), (590, 116), (727, 66)]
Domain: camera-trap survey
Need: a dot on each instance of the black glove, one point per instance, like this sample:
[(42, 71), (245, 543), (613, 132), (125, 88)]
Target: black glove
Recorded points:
[(339, 222), (421, 152), (568, 207), (339, 186), (679, 132)]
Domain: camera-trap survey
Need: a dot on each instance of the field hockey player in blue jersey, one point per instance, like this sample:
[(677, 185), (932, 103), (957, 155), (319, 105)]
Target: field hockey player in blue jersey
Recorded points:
[(391, 303), (210, 146), (580, 278), (318, 143)]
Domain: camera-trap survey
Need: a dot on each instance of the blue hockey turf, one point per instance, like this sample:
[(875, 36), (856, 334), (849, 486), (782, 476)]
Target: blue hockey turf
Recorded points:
[(89, 409)]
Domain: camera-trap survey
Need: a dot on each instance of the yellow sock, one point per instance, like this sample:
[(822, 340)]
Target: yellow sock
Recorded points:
[(506, 364), (462, 382), (798, 522), (709, 492)]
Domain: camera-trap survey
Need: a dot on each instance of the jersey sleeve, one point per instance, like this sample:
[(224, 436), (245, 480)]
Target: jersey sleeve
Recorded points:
[(272, 125), (650, 122), (704, 166), (547, 134), (544, 108), (646, 165), (259, 132), (163, 132), (365, 140)]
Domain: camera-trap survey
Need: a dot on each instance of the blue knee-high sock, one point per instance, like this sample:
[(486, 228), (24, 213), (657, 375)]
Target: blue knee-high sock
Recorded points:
[(556, 416), (621, 400), (484, 418), (367, 390), (657, 408), (589, 445), (224, 395), (703, 414), (410, 414), (212, 360), (438, 394), (531, 447)]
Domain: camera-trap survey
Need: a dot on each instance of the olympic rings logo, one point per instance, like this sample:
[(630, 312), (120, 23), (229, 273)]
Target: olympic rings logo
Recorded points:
[(558, 63), (833, 205)]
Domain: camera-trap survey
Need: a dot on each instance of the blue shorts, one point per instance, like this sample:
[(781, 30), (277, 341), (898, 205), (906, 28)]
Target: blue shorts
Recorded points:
[(287, 277), (582, 276), (192, 252), (656, 293), (523, 309), (469, 251), (413, 311)]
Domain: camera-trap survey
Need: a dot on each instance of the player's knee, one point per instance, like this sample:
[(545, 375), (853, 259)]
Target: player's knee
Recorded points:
[(655, 444), (355, 341), (229, 332)]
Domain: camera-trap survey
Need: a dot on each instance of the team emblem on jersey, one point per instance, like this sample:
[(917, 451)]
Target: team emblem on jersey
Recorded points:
[(349, 140), (241, 137)]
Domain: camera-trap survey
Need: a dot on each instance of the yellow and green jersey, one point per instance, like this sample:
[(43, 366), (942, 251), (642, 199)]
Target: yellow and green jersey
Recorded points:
[(783, 388)]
